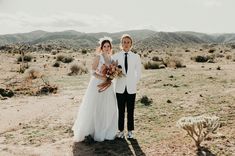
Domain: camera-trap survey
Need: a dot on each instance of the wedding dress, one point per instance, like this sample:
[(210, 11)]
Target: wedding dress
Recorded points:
[(98, 112)]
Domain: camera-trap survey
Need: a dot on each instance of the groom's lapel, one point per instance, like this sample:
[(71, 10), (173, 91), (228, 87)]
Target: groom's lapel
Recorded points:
[(121, 58)]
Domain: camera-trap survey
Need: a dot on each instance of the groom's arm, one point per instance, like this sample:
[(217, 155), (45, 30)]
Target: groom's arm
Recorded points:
[(114, 57)]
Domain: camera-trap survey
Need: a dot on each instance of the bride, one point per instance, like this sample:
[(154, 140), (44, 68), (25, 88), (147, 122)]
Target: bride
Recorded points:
[(98, 112)]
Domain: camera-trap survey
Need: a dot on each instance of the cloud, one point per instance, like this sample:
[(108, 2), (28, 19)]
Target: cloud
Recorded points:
[(212, 3), (22, 22)]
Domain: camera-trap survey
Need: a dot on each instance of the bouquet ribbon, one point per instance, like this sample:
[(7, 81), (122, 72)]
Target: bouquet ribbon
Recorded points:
[(104, 85)]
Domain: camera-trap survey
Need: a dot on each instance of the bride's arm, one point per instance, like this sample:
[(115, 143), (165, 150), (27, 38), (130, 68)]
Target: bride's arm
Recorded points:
[(95, 64)]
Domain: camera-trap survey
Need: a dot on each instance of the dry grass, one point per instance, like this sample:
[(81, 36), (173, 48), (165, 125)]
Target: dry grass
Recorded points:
[(34, 74), (173, 62), (78, 69), (27, 58), (151, 65), (64, 59), (42, 125)]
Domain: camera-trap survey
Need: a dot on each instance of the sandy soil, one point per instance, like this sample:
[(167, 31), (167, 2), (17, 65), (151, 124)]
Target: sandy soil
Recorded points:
[(41, 125)]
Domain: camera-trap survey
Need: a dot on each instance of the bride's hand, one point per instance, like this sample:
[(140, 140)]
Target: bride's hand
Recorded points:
[(104, 78)]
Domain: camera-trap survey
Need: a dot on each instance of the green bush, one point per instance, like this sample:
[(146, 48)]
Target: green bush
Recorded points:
[(145, 100), (155, 58), (151, 65), (27, 58), (84, 51), (64, 59), (67, 60), (60, 58), (56, 64), (201, 58), (78, 69)]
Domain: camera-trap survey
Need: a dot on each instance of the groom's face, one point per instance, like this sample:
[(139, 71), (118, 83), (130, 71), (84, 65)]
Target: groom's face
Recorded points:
[(126, 44)]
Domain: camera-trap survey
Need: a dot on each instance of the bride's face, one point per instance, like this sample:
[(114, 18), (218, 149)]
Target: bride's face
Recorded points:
[(106, 48)]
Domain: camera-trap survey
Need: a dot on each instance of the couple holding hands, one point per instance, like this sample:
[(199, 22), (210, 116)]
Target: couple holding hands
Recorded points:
[(101, 115)]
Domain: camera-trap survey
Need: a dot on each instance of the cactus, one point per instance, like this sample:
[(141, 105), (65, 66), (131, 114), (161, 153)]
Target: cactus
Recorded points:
[(199, 127)]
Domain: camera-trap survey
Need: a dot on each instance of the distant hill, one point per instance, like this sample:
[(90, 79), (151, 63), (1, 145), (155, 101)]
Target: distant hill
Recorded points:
[(143, 38)]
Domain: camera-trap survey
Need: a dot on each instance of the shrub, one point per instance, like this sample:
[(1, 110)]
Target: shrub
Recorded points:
[(173, 62), (155, 58), (78, 69), (6, 92), (47, 89), (74, 69), (56, 64), (60, 58), (64, 59), (27, 58), (229, 57), (145, 100), (151, 65), (34, 74), (145, 55), (67, 60), (134, 50), (84, 51), (201, 58), (220, 55), (233, 46), (150, 50), (53, 52), (211, 50)]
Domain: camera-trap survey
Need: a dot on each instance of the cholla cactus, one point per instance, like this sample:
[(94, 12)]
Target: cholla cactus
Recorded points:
[(199, 127)]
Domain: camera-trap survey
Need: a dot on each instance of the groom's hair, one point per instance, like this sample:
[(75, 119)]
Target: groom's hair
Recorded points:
[(126, 36)]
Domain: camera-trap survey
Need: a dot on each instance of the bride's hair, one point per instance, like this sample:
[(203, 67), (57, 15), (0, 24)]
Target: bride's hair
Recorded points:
[(126, 36), (102, 41)]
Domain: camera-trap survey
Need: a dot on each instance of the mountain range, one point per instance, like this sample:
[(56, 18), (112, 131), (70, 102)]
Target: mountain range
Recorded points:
[(143, 38)]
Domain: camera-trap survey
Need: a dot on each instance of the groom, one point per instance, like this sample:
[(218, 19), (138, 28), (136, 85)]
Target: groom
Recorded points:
[(125, 86)]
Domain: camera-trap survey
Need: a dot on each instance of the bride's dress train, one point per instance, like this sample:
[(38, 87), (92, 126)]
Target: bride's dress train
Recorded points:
[(98, 112)]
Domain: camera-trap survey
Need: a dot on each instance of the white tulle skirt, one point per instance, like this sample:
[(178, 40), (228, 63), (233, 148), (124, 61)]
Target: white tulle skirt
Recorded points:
[(97, 115)]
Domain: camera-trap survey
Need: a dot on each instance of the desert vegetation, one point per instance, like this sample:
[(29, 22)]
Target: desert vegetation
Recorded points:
[(184, 105)]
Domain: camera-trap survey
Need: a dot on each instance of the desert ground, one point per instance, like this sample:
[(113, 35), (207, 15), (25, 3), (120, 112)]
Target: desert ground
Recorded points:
[(37, 124)]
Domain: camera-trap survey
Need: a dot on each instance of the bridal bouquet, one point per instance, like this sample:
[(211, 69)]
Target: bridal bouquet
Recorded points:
[(112, 71)]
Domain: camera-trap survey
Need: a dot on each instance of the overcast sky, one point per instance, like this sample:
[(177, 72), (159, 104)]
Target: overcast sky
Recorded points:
[(209, 16)]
